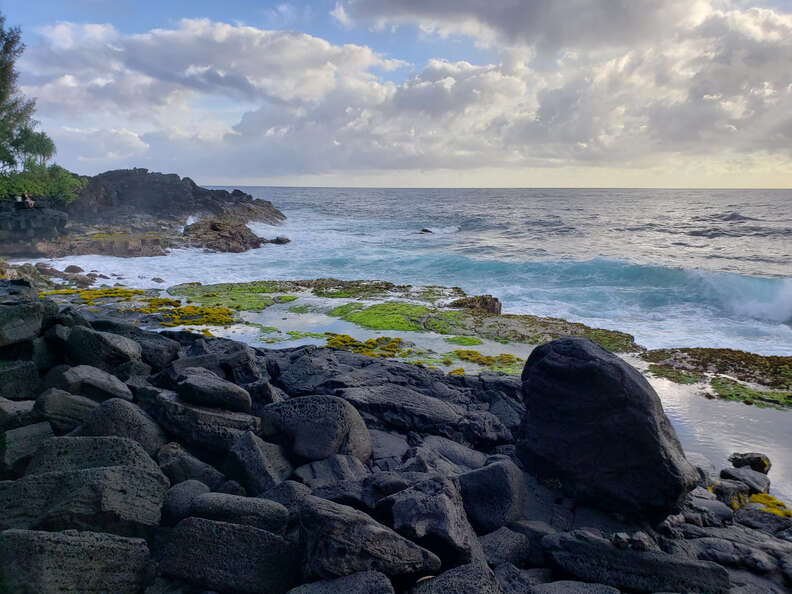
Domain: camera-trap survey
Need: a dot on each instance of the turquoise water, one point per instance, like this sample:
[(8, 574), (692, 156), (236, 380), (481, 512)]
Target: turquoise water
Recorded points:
[(673, 267)]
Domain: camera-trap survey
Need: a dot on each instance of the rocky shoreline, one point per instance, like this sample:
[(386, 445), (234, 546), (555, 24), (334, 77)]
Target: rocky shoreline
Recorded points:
[(138, 461), (132, 213)]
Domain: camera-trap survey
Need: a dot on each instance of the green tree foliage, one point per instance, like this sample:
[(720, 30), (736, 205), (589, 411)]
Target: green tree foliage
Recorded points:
[(39, 180), (16, 110)]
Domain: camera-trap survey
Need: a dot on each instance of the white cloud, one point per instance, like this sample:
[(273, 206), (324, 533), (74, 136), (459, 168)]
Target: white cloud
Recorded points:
[(654, 87)]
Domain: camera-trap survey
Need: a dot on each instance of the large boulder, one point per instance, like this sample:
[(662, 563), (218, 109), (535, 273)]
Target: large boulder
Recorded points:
[(594, 423), (19, 380), (88, 381), (431, 514), (340, 541), (180, 465), (124, 419), (34, 562), (157, 350), (493, 495), (316, 427), (214, 392), (100, 349), (757, 482), (258, 465), (206, 428), (21, 313), (15, 414), (362, 582), (229, 557), (64, 411), (107, 484), (251, 511), (18, 445), (178, 501)]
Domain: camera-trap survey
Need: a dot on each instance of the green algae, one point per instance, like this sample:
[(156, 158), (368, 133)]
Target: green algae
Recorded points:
[(299, 334), (464, 340), (675, 375), (392, 315), (729, 389), (90, 296), (300, 309), (333, 288), (767, 370), (343, 310), (254, 296)]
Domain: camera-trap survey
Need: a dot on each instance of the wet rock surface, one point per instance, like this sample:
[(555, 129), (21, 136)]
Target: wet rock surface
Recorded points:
[(362, 476)]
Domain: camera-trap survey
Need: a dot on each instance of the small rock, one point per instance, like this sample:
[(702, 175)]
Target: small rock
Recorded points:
[(179, 465), (157, 279), (19, 380), (473, 577), (758, 462), (73, 269), (258, 465), (506, 546), (493, 495), (362, 582), (18, 446), (88, 381), (214, 392), (334, 469), (178, 501), (16, 414), (572, 587)]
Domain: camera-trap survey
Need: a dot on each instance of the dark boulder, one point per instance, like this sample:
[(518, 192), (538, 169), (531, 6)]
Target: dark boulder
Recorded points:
[(315, 427), (88, 381), (21, 313), (214, 392), (493, 495), (197, 426), (178, 501), (572, 587), (758, 462), (19, 380), (594, 423), (484, 303), (256, 464), (431, 514), (334, 469), (180, 465), (250, 511), (473, 577), (229, 557), (64, 411), (222, 235), (506, 546), (513, 580), (122, 418), (71, 561), (156, 350), (78, 453), (17, 446), (15, 414), (595, 559), (362, 582), (100, 349), (340, 541), (757, 482)]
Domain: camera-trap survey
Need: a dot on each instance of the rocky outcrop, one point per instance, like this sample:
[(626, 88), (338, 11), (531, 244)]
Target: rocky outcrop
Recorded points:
[(591, 420), (483, 303), (224, 235), (362, 476)]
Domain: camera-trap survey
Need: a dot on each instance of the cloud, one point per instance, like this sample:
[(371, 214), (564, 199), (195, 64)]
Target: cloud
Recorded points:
[(222, 101)]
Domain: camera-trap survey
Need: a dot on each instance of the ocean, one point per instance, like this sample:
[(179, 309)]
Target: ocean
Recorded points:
[(676, 268)]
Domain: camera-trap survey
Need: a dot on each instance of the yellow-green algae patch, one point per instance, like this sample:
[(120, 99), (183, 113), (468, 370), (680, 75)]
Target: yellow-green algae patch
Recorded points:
[(90, 296), (254, 296), (464, 340), (771, 505)]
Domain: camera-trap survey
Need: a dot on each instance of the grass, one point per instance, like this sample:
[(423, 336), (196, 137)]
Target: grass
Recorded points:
[(675, 375)]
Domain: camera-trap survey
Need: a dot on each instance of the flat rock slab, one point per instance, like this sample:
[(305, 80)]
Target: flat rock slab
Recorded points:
[(88, 381), (593, 422), (318, 426), (230, 557), (34, 562), (19, 380), (121, 499), (340, 541), (757, 482)]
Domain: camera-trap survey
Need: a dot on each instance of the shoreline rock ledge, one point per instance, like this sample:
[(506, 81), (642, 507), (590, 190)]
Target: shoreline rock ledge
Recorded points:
[(161, 463), (594, 423)]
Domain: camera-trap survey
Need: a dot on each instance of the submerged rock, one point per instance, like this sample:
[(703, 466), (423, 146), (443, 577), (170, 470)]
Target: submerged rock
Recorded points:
[(594, 423)]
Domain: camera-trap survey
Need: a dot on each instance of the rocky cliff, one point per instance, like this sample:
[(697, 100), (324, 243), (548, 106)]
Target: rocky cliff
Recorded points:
[(128, 212)]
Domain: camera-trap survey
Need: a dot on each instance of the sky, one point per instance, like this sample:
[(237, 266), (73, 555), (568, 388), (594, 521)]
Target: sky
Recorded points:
[(417, 93)]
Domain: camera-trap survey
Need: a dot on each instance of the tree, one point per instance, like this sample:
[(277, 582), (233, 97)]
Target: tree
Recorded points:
[(31, 145), (16, 110)]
